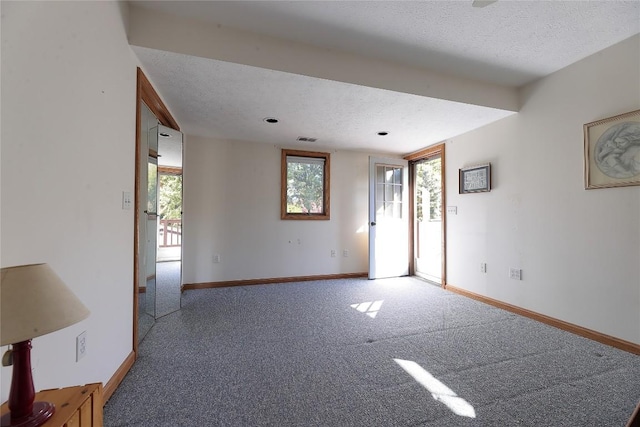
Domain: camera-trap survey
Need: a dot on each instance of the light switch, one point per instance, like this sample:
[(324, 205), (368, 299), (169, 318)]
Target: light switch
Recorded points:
[(126, 200), (452, 210)]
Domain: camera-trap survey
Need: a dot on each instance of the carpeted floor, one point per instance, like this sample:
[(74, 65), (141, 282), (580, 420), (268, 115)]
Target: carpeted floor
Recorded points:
[(394, 352)]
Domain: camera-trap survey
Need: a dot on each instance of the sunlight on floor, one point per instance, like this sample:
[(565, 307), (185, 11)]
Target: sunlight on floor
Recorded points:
[(438, 390), (370, 308)]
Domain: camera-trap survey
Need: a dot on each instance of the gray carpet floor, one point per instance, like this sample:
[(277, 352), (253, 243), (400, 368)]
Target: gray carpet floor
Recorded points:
[(331, 353)]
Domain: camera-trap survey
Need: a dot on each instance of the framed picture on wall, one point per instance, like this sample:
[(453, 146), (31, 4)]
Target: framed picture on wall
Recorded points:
[(612, 151), (475, 179)]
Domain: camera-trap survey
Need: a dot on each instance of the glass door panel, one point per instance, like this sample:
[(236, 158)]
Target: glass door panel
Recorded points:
[(428, 219)]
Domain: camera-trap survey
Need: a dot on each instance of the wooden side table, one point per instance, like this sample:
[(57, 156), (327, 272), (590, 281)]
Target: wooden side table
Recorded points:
[(78, 406)]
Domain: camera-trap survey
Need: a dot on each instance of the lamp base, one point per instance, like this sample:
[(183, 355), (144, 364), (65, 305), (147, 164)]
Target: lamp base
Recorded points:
[(42, 411)]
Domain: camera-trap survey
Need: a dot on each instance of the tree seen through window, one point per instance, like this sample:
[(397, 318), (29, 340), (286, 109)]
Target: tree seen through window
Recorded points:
[(305, 185)]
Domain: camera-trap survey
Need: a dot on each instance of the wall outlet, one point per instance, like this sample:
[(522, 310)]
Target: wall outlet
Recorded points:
[(483, 267), (345, 253), (515, 274), (216, 259), (333, 253), (81, 346)]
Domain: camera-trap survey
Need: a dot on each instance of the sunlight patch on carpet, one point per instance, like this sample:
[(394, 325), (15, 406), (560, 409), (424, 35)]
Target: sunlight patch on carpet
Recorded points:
[(370, 308), (438, 390)]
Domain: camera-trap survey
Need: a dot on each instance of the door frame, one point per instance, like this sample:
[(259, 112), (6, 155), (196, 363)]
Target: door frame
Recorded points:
[(147, 94), (413, 158)]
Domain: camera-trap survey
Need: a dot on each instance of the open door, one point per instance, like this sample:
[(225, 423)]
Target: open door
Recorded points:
[(427, 170), (388, 218), (428, 239)]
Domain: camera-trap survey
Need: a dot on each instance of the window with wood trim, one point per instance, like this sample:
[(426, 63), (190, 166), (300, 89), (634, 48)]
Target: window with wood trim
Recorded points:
[(305, 185)]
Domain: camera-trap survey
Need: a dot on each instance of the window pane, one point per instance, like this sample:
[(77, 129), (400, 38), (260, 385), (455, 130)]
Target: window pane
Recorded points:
[(388, 193), (397, 176), (305, 182), (380, 192), (397, 193), (380, 174), (388, 175)]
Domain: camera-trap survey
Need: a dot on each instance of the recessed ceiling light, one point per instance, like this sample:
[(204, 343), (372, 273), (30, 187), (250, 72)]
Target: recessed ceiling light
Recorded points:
[(270, 120), (383, 133)]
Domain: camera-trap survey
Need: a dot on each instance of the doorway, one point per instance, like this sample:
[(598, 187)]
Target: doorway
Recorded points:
[(428, 219)]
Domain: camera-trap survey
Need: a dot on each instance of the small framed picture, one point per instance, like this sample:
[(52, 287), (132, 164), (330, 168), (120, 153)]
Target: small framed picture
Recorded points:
[(612, 151), (475, 179)]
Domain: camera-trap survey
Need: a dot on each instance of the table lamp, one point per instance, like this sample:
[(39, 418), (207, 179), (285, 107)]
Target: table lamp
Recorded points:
[(34, 302)]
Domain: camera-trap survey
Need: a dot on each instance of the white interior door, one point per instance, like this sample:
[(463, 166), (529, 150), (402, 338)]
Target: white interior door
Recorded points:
[(388, 218)]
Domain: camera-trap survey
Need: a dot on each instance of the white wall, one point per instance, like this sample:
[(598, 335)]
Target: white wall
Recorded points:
[(68, 145), (579, 250), (232, 208)]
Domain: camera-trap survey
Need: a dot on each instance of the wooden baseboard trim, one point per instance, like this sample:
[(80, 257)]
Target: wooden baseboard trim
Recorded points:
[(207, 285), (560, 324), (118, 376)]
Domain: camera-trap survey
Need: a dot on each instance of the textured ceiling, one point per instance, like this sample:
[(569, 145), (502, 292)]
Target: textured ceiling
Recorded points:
[(336, 113), (508, 42)]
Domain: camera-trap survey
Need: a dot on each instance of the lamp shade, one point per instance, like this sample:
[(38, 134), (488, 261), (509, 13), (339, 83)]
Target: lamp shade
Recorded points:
[(35, 302)]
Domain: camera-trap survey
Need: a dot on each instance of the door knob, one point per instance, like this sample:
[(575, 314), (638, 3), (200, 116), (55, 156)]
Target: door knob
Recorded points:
[(373, 223)]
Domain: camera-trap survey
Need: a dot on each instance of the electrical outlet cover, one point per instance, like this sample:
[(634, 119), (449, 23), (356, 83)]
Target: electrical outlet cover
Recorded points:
[(81, 346), (515, 274)]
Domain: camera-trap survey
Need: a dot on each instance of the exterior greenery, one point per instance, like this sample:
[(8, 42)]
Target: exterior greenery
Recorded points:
[(305, 187), (428, 183), (170, 203)]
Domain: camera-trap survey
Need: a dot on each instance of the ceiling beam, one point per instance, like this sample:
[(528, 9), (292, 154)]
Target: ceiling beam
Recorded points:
[(158, 30)]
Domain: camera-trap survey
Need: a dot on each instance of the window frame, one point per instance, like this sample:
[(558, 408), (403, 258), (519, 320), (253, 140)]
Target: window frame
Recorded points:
[(326, 197)]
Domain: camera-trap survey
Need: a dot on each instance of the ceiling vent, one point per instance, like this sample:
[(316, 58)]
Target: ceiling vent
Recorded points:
[(307, 139), (482, 3)]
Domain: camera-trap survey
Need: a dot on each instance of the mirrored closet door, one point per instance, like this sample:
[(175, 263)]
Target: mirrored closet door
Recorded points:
[(169, 236), (160, 221)]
